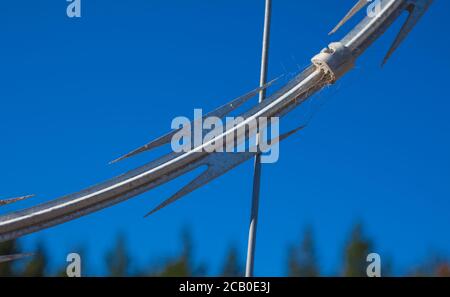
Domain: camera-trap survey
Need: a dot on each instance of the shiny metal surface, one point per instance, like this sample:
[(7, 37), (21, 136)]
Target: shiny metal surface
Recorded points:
[(168, 167)]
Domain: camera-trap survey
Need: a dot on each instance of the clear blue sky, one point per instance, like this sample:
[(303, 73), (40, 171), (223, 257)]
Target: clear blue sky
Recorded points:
[(76, 93)]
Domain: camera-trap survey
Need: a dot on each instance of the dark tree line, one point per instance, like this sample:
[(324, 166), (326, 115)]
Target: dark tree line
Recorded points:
[(302, 260)]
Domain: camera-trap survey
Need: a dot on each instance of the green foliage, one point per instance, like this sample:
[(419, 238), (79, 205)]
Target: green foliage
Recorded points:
[(117, 259), (36, 267), (356, 251), (435, 266), (232, 266), (182, 266), (302, 260), (8, 248)]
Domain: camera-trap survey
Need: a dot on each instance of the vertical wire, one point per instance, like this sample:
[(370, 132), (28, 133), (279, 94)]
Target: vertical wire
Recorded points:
[(257, 168)]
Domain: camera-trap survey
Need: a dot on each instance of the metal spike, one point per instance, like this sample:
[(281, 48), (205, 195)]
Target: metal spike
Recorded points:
[(219, 112), (147, 177), (13, 200), (416, 9), (218, 164), (358, 6), (9, 258)]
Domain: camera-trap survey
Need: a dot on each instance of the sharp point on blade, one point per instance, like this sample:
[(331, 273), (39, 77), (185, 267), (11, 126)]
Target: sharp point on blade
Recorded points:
[(206, 176), (126, 156), (218, 164), (358, 6), (416, 9), (9, 258), (287, 134), (227, 162), (222, 111), (17, 199)]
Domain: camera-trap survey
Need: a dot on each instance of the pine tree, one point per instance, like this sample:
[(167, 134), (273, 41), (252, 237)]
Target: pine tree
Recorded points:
[(183, 265), (434, 266), (117, 259), (36, 267), (231, 266), (356, 251), (302, 261), (8, 248)]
